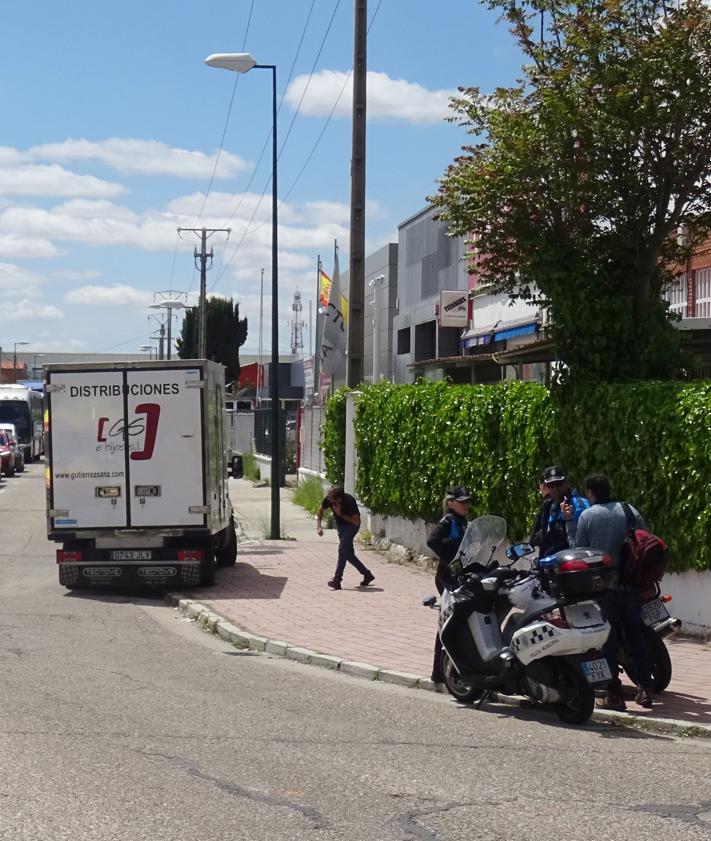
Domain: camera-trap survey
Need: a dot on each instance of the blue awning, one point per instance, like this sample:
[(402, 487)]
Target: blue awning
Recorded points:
[(476, 341), (521, 330)]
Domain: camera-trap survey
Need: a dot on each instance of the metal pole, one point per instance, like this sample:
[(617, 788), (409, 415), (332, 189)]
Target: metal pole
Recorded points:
[(170, 322), (274, 380), (160, 341), (202, 330), (357, 250), (14, 363), (260, 369)]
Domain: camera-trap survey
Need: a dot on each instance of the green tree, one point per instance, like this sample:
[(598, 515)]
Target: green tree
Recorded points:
[(585, 175), (226, 333)]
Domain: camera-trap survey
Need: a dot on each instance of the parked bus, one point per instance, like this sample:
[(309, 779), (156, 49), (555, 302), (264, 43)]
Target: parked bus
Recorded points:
[(23, 407)]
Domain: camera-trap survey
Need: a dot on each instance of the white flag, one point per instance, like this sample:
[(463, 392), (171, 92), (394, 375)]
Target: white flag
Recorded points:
[(333, 346)]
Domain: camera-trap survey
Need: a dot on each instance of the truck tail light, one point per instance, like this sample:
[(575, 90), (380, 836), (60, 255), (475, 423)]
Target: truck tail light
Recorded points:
[(64, 557), (191, 555)]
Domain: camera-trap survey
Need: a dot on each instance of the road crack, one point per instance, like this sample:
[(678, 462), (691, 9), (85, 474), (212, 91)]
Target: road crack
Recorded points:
[(318, 820)]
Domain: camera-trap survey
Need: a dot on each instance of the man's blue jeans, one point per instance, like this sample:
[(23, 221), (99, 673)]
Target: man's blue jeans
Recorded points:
[(623, 610), (346, 552)]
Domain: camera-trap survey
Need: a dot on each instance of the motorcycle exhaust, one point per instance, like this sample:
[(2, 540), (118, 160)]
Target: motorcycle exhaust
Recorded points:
[(668, 627)]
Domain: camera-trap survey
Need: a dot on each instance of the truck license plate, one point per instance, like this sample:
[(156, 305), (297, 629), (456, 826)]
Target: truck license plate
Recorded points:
[(654, 611), (596, 671), (131, 555)]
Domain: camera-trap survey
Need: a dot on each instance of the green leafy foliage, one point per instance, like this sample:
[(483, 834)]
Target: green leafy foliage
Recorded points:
[(652, 439), (309, 493), (333, 437), (579, 179), (226, 332)]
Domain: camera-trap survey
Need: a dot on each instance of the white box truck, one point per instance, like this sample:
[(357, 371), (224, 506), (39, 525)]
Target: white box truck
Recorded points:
[(136, 472)]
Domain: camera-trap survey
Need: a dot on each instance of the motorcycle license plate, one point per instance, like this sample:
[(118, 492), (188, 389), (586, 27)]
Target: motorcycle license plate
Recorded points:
[(654, 611), (596, 671)]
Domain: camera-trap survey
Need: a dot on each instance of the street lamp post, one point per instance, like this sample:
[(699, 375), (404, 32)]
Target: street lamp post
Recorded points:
[(147, 349), (243, 63), (169, 306), (14, 359)]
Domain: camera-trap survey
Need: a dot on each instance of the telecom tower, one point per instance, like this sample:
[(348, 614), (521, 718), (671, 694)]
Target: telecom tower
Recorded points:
[(297, 325)]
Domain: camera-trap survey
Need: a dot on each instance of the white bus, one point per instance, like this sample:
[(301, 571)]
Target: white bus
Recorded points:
[(23, 407)]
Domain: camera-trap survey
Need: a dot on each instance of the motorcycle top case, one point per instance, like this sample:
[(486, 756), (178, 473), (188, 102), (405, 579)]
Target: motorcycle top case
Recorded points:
[(576, 573)]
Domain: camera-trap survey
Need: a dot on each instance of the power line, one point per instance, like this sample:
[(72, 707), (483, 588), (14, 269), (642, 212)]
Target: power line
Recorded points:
[(227, 120), (247, 231), (269, 133)]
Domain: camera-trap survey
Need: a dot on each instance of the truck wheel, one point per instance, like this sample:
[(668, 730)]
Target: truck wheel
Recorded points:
[(208, 566), (227, 555)]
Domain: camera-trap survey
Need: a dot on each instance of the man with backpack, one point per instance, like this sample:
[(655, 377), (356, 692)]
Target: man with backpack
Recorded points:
[(606, 526)]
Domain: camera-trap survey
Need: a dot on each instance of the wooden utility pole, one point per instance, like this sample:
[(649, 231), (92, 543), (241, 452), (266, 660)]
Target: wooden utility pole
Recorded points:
[(356, 290), (202, 257)]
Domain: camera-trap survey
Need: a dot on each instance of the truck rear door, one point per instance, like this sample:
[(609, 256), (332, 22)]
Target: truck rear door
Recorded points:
[(88, 461), (127, 448), (166, 471)]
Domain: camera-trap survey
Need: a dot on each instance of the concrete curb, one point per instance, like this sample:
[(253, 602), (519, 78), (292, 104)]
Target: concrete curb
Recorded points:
[(211, 621)]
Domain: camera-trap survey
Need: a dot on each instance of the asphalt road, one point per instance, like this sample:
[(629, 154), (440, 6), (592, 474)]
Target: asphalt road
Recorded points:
[(121, 720)]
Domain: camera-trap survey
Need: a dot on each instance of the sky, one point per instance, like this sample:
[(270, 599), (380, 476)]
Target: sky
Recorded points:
[(115, 133)]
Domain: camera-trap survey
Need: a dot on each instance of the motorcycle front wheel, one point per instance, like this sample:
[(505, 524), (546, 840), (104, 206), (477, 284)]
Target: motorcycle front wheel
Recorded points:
[(457, 688), (578, 697)]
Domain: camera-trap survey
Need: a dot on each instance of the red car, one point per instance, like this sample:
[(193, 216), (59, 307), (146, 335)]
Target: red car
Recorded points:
[(7, 454)]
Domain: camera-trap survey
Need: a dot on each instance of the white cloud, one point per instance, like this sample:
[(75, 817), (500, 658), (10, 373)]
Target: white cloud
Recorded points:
[(14, 245), (16, 279), (148, 157), (38, 180), (118, 295), (388, 99), (25, 310), (77, 276)]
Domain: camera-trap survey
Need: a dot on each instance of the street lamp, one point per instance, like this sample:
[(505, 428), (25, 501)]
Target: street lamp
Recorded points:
[(243, 63), (147, 349), (170, 306), (14, 359)]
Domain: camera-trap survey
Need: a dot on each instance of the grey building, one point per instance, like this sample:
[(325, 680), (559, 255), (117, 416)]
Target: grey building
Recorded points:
[(381, 292), (430, 261)]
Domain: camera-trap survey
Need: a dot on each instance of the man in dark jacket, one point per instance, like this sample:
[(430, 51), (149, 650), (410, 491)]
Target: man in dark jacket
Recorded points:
[(347, 517)]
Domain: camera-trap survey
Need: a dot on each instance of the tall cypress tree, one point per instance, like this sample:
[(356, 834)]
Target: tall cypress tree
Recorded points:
[(226, 333)]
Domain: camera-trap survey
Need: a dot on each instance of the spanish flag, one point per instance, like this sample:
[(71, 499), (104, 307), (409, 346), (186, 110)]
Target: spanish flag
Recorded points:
[(324, 289)]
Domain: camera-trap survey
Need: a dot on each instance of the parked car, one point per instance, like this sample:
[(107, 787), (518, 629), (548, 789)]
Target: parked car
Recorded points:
[(19, 450), (7, 454)]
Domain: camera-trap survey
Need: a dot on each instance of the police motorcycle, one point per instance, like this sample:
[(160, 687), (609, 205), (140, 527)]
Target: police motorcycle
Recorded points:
[(534, 633)]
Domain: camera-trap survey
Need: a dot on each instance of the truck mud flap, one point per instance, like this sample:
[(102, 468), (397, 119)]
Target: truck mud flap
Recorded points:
[(165, 574)]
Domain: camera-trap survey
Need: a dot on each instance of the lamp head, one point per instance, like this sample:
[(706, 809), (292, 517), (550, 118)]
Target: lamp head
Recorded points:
[(237, 62)]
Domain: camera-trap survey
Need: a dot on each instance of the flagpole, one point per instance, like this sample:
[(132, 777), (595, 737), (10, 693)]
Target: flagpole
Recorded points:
[(317, 348)]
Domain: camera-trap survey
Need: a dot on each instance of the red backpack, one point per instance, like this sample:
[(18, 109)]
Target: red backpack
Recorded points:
[(643, 556)]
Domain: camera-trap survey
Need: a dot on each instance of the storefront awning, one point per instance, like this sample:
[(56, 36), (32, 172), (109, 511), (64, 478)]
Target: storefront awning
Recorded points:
[(476, 338)]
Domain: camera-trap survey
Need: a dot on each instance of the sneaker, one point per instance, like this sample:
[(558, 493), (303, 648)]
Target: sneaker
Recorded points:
[(611, 701), (367, 578), (644, 697), (335, 583)]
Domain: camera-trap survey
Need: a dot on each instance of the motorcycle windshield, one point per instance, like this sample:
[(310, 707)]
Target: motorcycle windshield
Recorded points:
[(481, 539)]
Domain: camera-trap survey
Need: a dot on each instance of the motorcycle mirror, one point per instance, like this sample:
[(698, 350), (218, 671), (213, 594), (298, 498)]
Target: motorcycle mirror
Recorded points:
[(429, 601)]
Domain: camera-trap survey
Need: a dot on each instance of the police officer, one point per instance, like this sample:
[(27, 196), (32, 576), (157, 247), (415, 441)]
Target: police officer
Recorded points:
[(444, 542)]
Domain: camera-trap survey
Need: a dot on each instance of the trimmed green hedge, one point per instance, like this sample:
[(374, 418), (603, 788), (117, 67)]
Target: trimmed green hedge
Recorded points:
[(652, 439)]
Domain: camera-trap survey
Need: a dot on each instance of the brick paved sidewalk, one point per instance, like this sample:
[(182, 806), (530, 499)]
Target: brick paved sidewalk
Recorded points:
[(278, 590)]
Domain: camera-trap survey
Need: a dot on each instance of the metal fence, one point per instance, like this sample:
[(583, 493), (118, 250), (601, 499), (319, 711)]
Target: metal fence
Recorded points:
[(310, 452)]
